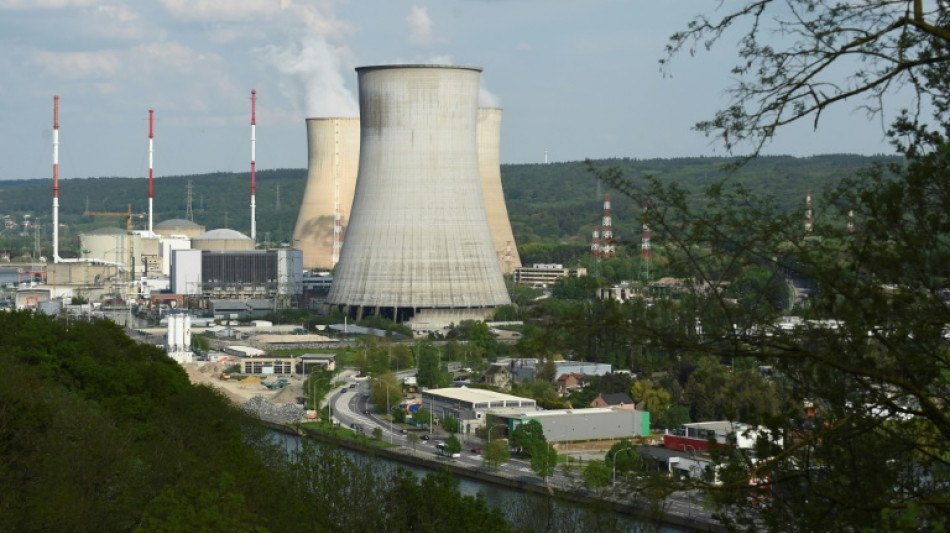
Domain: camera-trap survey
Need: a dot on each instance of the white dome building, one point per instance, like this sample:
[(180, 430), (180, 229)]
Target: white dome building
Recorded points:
[(178, 226), (222, 240)]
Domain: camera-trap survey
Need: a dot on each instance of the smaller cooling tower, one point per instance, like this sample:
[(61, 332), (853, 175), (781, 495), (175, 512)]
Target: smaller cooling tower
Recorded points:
[(418, 243), (334, 151), (489, 169)]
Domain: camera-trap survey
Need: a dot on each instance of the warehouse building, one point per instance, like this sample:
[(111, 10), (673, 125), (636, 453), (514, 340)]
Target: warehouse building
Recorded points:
[(571, 425), (472, 406)]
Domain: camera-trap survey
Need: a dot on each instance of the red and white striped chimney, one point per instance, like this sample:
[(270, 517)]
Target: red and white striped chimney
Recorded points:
[(151, 184), (253, 164), (55, 179)]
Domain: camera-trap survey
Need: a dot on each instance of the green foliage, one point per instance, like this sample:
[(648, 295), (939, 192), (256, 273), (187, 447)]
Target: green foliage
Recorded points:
[(452, 444), (623, 457), (496, 453), (450, 424), (574, 288), (422, 416), (385, 390), (399, 415), (434, 505), (528, 436), (552, 224), (854, 400), (432, 373), (596, 474), (673, 417), (543, 460)]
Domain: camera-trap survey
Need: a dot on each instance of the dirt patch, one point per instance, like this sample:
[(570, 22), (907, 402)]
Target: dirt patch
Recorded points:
[(238, 392)]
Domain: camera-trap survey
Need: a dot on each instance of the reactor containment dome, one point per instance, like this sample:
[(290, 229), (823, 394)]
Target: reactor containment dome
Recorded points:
[(418, 247)]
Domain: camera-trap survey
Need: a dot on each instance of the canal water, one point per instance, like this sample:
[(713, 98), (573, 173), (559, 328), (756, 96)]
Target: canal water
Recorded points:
[(520, 507)]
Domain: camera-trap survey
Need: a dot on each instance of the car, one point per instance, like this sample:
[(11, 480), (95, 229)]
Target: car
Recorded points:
[(424, 437), (477, 449), (342, 391), (365, 411), (403, 431), (352, 385)]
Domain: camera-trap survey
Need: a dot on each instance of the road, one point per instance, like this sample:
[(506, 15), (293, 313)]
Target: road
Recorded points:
[(351, 408)]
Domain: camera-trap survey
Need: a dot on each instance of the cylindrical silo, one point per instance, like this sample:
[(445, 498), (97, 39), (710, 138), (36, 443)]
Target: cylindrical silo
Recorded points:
[(334, 151), (489, 168), (418, 242)]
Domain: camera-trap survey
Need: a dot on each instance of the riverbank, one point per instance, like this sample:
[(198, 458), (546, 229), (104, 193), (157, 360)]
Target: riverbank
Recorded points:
[(208, 374), (425, 459)]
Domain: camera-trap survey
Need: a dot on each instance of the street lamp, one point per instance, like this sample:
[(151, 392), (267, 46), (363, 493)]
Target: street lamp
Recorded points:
[(614, 461), (493, 427)]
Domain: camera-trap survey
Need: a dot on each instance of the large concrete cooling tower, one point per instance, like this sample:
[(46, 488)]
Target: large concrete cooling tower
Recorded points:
[(418, 247), (489, 168), (334, 151)]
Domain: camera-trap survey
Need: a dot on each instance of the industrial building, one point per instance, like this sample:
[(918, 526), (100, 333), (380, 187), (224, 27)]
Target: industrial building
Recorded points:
[(542, 275), (238, 274), (571, 425), (418, 247), (471, 407), (333, 147)]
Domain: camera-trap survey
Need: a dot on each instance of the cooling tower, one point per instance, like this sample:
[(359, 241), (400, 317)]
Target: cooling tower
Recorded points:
[(489, 168), (418, 242), (334, 151)]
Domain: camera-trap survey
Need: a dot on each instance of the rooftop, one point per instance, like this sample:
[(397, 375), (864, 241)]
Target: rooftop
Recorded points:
[(473, 395)]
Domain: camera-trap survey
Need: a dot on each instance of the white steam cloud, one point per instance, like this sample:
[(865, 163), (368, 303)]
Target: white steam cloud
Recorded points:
[(311, 76), (420, 25)]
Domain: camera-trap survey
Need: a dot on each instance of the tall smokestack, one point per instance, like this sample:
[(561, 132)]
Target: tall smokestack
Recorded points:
[(151, 177), (55, 179), (333, 146), (489, 169), (253, 164), (418, 246)]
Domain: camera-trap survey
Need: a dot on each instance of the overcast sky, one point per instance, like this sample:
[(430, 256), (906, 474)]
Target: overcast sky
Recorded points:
[(576, 79)]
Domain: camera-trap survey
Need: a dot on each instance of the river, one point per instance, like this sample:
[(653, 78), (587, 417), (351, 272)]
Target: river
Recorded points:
[(519, 506)]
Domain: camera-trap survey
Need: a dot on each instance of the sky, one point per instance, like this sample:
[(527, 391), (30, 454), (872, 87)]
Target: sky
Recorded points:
[(576, 79)]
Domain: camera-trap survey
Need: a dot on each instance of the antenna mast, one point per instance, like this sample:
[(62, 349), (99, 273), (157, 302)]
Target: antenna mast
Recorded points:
[(646, 252), (189, 213), (808, 219), (595, 242)]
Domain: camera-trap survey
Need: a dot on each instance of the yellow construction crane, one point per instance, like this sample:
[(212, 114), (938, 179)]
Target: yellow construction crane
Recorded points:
[(128, 226), (127, 214)]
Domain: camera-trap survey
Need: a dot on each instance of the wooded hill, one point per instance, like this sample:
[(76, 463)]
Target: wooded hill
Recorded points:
[(552, 203)]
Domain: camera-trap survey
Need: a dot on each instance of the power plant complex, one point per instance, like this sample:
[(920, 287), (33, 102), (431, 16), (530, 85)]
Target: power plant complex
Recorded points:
[(404, 204)]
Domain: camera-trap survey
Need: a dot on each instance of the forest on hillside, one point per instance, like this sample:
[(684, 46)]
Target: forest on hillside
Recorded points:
[(557, 203), (101, 433)]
